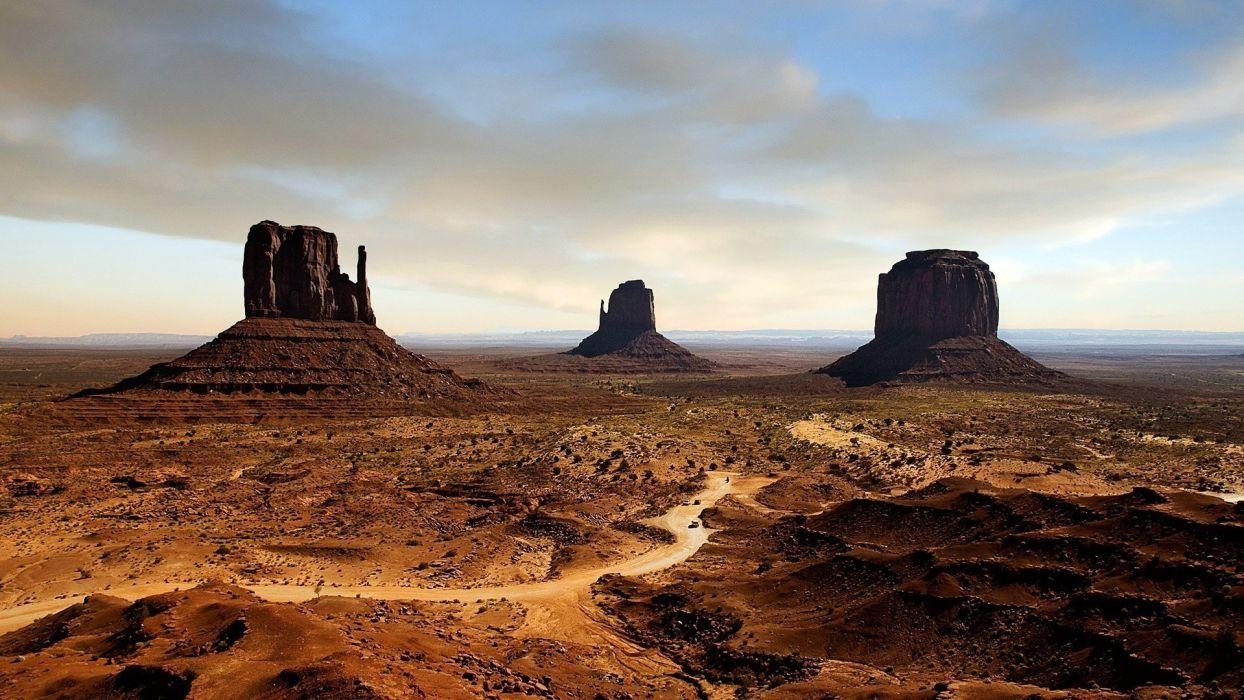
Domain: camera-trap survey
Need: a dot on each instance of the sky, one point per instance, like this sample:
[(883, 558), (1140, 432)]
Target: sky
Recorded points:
[(508, 163)]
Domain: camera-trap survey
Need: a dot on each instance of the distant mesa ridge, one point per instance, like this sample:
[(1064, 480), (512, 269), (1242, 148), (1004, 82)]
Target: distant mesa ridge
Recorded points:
[(937, 319), (292, 272)]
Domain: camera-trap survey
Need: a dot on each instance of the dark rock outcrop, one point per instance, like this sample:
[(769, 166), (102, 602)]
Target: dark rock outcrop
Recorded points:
[(937, 294), (937, 319), (293, 272), (627, 338)]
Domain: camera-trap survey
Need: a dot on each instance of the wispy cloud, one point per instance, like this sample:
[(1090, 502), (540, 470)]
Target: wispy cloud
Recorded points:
[(1045, 74)]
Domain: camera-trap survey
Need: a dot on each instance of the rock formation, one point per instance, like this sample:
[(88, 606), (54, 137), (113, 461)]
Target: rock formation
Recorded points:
[(936, 294), (292, 272), (631, 313), (937, 318), (628, 335), (309, 330)]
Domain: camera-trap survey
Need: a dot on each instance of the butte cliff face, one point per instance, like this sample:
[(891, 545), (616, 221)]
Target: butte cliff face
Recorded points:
[(309, 331), (627, 338), (293, 272), (937, 319), (937, 294)]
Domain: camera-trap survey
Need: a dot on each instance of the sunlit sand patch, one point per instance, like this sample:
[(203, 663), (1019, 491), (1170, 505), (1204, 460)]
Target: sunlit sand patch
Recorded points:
[(1043, 477), (821, 432), (1163, 440)]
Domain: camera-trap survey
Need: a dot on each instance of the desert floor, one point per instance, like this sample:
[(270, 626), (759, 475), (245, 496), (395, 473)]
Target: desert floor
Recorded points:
[(760, 531)]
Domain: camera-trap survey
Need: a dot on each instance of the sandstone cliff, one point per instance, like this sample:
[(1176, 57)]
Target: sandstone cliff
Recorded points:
[(631, 312), (936, 294), (309, 331), (293, 272)]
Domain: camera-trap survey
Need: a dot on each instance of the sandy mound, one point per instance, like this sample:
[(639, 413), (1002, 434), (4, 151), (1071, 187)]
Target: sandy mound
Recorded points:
[(214, 641)]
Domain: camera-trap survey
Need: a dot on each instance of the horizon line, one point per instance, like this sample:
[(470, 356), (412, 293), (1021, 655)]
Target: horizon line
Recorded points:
[(853, 331)]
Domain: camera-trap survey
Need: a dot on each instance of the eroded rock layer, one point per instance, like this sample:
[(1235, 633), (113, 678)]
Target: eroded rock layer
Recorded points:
[(309, 331), (936, 294), (219, 641), (937, 319), (293, 356), (631, 313)]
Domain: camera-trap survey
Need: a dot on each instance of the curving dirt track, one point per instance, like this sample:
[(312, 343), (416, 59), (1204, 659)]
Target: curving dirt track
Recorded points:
[(677, 520)]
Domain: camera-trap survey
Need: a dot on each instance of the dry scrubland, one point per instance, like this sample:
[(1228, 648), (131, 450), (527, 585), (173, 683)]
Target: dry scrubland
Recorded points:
[(886, 541)]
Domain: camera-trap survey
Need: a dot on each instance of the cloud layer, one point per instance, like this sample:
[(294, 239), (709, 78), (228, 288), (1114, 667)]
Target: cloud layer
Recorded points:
[(719, 165)]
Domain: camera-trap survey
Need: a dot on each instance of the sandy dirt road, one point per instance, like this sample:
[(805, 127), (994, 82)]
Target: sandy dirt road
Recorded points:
[(571, 588)]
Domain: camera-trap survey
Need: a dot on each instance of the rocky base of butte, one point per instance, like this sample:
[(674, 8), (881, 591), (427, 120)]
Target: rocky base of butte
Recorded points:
[(295, 356), (937, 319)]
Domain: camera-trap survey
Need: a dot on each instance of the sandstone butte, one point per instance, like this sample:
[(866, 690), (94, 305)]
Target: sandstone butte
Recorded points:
[(309, 330), (937, 320), (292, 272), (628, 332)]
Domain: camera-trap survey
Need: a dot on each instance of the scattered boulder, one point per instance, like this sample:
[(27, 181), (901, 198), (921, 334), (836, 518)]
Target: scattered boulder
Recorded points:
[(937, 319), (27, 485), (149, 681)]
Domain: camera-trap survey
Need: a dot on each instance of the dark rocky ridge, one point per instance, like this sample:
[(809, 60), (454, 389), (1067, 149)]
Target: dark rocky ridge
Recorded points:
[(293, 272), (1084, 596), (937, 319), (628, 332)]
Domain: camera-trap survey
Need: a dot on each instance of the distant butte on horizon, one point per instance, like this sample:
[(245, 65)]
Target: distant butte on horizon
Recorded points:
[(628, 331)]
